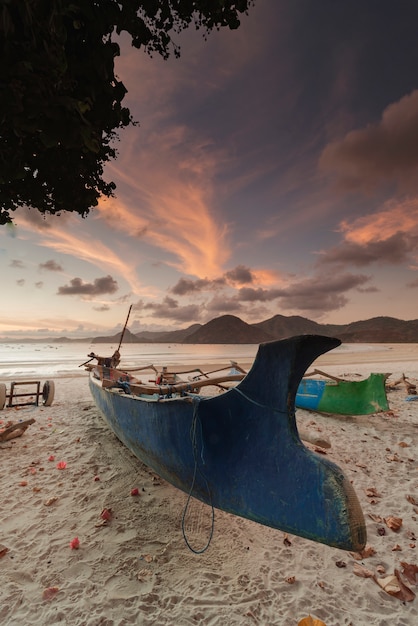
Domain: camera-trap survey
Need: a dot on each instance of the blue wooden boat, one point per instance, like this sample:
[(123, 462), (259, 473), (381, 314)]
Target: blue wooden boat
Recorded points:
[(240, 450), (343, 397)]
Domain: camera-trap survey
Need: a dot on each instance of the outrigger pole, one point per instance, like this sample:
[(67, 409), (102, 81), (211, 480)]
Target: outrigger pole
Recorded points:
[(124, 328)]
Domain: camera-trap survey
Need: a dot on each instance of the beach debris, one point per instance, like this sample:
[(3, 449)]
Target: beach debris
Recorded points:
[(50, 592), (286, 540), (106, 515), (396, 548), (11, 430), (143, 574), (410, 387), (311, 621), (394, 586), (75, 543), (96, 479), (394, 523), (135, 491), (290, 580), (3, 550), (364, 554), (341, 564), (23, 483), (50, 501), (51, 457), (147, 558), (61, 465), (410, 572), (362, 572)]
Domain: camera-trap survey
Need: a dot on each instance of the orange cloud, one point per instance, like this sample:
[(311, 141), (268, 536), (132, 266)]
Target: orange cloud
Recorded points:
[(396, 217)]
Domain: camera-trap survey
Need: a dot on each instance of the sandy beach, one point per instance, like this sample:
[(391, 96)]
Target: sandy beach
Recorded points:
[(79, 547)]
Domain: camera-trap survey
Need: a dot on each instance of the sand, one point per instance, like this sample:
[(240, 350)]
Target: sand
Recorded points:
[(135, 568)]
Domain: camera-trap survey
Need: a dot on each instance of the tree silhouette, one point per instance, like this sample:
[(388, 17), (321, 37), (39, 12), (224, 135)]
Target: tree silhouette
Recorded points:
[(60, 101)]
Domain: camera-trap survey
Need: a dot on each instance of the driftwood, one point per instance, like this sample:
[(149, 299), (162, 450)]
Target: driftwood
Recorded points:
[(411, 388), (15, 430)]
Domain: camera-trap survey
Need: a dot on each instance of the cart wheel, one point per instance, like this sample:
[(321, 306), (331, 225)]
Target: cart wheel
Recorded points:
[(48, 392), (2, 395)]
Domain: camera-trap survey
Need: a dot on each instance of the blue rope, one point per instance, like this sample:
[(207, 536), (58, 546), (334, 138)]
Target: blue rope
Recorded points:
[(194, 440), (261, 406)]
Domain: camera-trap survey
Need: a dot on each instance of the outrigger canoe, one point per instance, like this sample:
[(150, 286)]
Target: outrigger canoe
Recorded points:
[(239, 451), (343, 397)]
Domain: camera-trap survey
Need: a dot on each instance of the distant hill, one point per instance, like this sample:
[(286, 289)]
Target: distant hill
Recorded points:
[(128, 337), (228, 329), (231, 329)]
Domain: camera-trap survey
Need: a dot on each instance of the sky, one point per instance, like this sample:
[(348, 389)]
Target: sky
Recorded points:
[(273, 170)]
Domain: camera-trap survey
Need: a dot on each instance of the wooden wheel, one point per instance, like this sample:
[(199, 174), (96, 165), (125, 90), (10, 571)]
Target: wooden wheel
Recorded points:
[(48, 392), (2, 395)]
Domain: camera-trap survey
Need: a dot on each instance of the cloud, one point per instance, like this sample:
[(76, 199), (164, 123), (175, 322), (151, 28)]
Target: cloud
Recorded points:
[(413, 283), (20, 282), (39, 284), (388, 236), (186, 286), (16, 263), (380, 153), (100, 286), (169, 308), (241, 274), (51, 266)]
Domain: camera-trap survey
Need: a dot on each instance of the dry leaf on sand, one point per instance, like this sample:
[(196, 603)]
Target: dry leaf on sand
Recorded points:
[(410, 572), (311, 621), (361, 571), (364, 554), (394, 523), (394, 586)]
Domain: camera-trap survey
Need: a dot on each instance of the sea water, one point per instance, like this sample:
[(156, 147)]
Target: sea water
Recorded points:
[(38, 360)]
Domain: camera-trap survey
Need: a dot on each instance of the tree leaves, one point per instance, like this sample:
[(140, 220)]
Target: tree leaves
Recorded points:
[(60, 101)]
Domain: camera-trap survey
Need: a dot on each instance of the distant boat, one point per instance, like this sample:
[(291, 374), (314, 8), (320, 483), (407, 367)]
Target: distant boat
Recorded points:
[(343, 397), (239, 450)]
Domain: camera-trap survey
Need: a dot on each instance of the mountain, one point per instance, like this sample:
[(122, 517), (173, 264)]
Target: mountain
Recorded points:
[(170, 336), (228, 329), (280, 326), (380, 330), (128, 337)]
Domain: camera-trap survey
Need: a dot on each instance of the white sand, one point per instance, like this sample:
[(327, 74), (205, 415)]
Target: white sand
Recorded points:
[(137, 569)]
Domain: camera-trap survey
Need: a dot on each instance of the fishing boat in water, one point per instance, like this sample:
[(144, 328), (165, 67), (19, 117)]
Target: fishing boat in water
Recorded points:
[(343, 397), (239, 450)]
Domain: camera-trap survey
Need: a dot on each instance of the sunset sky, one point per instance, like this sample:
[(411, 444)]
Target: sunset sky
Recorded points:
[(274, 170)]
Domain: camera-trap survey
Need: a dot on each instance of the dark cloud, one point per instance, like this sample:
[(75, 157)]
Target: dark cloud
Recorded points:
[(100, 309), (241, 275), (51, 266), (39, 284), (220, 304), (380, 153), (249, 294), (321, 293), (394, 250), (16, 263), (169, 308), (100, 286), (20, 282), (186, 286)]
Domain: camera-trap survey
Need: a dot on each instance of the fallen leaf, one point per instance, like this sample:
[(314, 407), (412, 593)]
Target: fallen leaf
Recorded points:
[(291, 580), (341, 564), (50, 501), (411, 499), (375, 518), (364, 554), (75, 543), (394, 586), (396, 548), (61, 465), (135, 491), (403, 444), (147, 558), (411, 535), (50, 592), (410, 572), (311, 621), (394, 523), (3, 550), (381, 531), (372, 492), (380, 570), (361, 571), (106, 514), (23, 483), (287, 541)]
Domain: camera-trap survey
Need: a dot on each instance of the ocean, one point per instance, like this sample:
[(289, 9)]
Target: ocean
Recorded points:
[(38, 361)]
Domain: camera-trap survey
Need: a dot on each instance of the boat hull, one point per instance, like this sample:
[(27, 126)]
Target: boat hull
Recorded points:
[(346, 397), (240, 451)]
